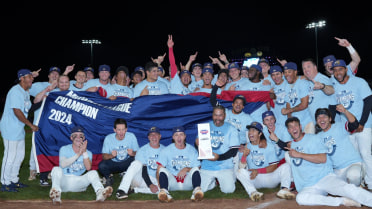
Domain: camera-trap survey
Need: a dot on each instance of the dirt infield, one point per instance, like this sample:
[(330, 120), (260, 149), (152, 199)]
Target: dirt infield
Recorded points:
[(270, 202)]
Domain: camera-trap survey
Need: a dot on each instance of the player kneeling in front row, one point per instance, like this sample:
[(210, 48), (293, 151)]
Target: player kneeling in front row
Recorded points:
[(263, 170), (74, 160), (178, 168), (141, 174)]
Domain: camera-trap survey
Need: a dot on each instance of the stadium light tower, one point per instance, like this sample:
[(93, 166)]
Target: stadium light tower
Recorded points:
[(91, 42), (316, 25)]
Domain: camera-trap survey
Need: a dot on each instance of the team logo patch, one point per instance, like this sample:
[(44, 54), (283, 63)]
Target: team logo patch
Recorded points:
[(346, 98)]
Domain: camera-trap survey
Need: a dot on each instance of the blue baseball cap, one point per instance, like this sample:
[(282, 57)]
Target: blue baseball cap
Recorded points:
[(263, 60), (275, 68), (207, 69), (233, 65), (178, 129), (89, 69), (257, 67), (240, 97), (255, 125), (104, 68), (54, 69), (184, 71), (139, 68), (23, 72), (329, 58), (77, 129), (290, 66), (339, 63), (208, 65), (267, 113), (161, 69), (153, 129), (245, 68), (196, 65)]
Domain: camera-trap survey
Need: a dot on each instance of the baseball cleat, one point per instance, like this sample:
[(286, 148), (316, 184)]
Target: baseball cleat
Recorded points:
[(17, 185), (256, 196), (285, 194), (102, 194), (55, 196), (120, 194), (164, 196), (7, 188), (197, 194), (349, 202), (44, 183)]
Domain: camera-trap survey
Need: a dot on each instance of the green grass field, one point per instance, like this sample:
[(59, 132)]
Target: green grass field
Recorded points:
[(36, 192)]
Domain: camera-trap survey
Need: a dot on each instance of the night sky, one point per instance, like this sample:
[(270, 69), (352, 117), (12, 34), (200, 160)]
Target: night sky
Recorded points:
[(42, 35)]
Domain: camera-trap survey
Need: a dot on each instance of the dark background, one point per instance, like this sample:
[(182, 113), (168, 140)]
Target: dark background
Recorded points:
[(45, 34)]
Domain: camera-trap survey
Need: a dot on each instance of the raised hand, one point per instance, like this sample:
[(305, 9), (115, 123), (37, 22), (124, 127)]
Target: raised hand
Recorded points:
[(222, 57), (192, 57), (35, 73), (170, 42), (343, 42)]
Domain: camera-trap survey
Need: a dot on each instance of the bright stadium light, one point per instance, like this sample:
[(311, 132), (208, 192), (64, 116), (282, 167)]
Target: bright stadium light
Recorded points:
[(316, 25), (91, 42)]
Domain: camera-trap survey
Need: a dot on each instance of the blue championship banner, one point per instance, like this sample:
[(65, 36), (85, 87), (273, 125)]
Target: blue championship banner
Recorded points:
[(61, 111)]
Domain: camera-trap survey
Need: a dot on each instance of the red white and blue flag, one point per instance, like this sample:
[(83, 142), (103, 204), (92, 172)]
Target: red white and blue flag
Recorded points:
[(61, 111)]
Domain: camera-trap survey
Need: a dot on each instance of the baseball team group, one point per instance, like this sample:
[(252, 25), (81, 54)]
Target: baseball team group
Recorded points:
[(315, 143)]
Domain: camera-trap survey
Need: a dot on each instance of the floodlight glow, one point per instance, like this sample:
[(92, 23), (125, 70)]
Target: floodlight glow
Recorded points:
[(319, 24)]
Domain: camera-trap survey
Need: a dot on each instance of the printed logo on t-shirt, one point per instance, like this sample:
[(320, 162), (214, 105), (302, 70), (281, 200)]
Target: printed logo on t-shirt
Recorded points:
[(217, 139), (151, 162), (292, 97), (179, 162), (258, 158), (330, 143), (298, 161), (346, 98)]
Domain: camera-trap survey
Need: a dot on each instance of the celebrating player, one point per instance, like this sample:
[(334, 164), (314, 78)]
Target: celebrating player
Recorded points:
[(118, 151), (308, 157), (141, 173), (74, 160), (178, 168), (262, 170)]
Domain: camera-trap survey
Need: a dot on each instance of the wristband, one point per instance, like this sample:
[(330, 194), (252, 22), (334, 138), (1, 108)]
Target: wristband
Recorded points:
[(323, 86), (261, 170), (351, 49), (85, 155)]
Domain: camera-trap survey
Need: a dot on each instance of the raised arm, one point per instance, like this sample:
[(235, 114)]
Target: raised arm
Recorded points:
[(355, 58), (172, 60), (192, 58)]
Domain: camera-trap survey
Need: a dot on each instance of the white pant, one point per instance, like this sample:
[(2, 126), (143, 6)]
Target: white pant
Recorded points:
[(14, 153), (352, 174), (363, 143), (225, 178), (64, 183), (32, 158), (332, 184), (282, 175), (173, 185), (133, 176)]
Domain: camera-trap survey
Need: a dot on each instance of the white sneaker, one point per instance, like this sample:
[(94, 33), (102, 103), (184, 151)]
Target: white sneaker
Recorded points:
[(285, 194), (55, 196), (102, 194), (197, 194), (164, 196), (32, 175), (349, 202), (256, 196)]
